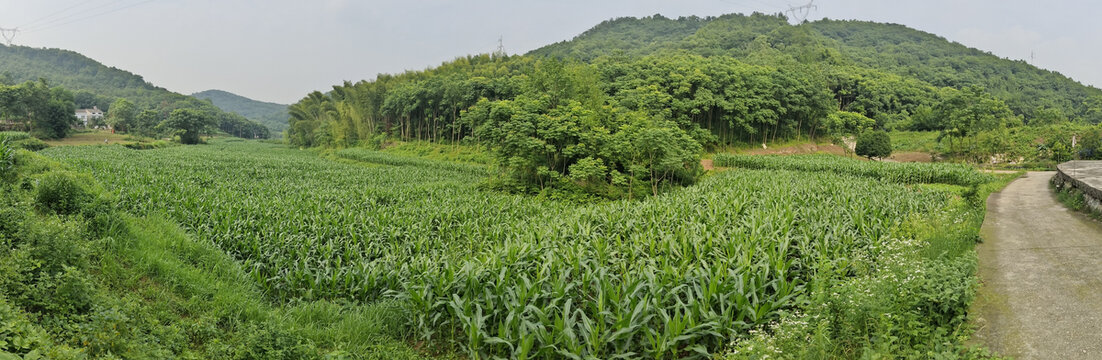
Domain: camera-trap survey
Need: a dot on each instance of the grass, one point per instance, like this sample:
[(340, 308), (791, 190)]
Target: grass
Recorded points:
[(94, 137), (432, 151), (1074, 199), (917, 141)]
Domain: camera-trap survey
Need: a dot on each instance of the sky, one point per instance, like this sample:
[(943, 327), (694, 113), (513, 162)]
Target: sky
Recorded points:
[(280, 50)]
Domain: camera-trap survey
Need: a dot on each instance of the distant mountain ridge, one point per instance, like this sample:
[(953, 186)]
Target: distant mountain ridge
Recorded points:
[(272, 115)]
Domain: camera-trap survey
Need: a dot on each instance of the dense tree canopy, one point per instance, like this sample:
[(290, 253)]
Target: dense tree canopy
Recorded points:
[(188, 124)]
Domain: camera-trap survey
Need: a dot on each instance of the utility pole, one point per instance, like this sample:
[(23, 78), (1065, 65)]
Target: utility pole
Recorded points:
[(801, 12), (8, 34)]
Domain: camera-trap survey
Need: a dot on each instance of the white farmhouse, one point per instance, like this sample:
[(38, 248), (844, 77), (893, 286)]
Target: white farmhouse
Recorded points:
[(86, 115)]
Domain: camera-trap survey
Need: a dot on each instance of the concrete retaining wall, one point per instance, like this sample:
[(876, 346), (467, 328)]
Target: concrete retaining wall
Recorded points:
[(1086, 176)]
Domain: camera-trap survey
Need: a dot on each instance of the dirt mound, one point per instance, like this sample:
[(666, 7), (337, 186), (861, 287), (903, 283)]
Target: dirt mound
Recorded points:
[(912, 156), (707, 164)]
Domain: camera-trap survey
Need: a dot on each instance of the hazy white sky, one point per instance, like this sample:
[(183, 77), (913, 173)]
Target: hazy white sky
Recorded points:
[(279, 50)]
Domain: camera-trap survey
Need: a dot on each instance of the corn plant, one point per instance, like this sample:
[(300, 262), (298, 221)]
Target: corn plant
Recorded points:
[(907, 173)]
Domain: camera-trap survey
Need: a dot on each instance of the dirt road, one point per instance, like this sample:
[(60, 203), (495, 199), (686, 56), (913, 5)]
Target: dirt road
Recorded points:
[(1041, 268)]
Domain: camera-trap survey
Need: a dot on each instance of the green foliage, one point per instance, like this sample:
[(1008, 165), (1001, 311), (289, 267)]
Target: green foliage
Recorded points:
[(1090, 145), (238, 126), (94, 85), (143, 288), (188, 124), (19, 335), (47, 112), (682, 274), (145, 123), (62, 192), (7, 159), (122, 116), (843, 123), (971, 111), (906, 173), (30, 144), (886, 72), (1025, 147), (14, 135), (874, 144)]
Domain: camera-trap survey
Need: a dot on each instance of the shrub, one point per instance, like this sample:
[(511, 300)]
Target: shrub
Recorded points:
[(61, 192), (874, 144), (18, 334), (31, 144)]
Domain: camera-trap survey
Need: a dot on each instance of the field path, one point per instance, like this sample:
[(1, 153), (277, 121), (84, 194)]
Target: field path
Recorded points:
[(1041, 269)]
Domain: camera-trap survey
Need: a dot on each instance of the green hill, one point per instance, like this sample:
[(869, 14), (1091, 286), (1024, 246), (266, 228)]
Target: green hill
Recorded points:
[(272, 115), (95, 84), (872, 50)]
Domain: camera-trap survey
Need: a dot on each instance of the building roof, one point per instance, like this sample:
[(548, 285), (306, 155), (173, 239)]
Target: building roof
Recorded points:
[(93, 111)]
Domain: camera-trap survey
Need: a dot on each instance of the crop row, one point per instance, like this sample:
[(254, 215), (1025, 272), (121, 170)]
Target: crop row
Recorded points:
[(906, 173)]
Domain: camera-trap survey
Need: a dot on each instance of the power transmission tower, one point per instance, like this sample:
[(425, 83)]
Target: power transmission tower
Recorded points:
[(801, 12), (8, 34), (500, 47)]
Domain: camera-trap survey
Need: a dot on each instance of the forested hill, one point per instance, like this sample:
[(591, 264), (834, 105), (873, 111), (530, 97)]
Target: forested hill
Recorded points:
[(272, 115), (92, 83), (867, 49)]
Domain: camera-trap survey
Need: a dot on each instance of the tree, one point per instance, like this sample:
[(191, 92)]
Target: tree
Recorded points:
[(51, 111), (1047, 116), (874, 144), (189, 124), (121, 115), (970, 111), (145, 124), (841, 124)]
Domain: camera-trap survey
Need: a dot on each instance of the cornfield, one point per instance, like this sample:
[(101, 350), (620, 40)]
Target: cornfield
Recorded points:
[(906, 173), (678, 275)]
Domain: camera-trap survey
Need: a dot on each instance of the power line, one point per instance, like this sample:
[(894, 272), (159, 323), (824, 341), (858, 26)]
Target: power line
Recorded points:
[(751, 6), (56, 23), (56, 13), (80, 10)]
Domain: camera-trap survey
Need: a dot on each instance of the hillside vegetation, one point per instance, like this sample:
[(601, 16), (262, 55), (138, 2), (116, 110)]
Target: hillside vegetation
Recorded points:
[(272, 115), (86, 83), (626, 108)]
